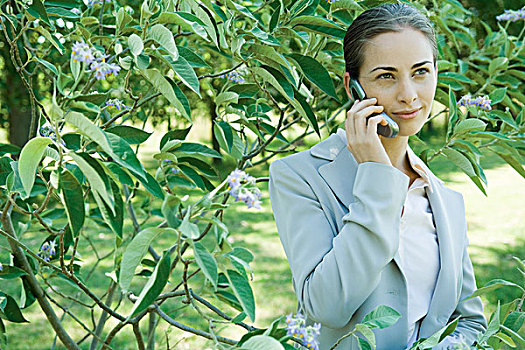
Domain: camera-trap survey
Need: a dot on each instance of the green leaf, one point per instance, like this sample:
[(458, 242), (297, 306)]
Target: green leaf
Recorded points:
[(114, 218), (243, 292), (470, 124), (224, 135), (492, 285), (48, 65), (227, 97), (318, 24), (197, 148), (152, 186), (3, 335), (52, 39), (170, 210), (514, 320), (131, 135), (97, 182), (453, 112), (494, 325), (307, 113), (381, 317), (497, 64), (206, 262), (180, 95), (30, 157), (37, 10), (54, 12), (275, 79), (363, 344), (87, 128), (505, 339), (185, 72), (368, 333), (316, 73), (9, 309), (164, 87), (11, 272), (164, 37), (193, 175), (142, 61), (176, 134), (125, 156), (135, 44), (73, 199), (262, 342), (8, 148), (154, 286), (497, 95), (437, 337), (135, 252), (460, 160), (121, 175), (189, 229), (192, 58), (447, 76), (512, 161)]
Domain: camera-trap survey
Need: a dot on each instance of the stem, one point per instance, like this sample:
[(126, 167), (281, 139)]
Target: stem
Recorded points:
[(32, 281), (341, 339), (103, 317), (192, 330), (152, 324)]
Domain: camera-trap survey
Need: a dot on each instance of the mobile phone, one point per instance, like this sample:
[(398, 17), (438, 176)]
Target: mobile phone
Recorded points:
[(391, 129)]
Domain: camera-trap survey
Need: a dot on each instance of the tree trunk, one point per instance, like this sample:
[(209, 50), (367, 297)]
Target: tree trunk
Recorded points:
[(17, 102)]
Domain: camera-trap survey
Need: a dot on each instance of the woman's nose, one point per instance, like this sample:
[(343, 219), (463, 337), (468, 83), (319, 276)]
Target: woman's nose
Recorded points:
[(407, 92)]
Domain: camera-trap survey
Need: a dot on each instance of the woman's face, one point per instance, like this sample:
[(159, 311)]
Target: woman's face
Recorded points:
[(398, 70)]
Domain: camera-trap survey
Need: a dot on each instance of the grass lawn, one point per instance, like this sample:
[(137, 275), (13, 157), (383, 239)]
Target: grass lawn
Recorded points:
[(495, 229)]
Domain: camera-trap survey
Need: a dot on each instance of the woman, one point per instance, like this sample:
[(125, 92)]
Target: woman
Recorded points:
[(362, 220)]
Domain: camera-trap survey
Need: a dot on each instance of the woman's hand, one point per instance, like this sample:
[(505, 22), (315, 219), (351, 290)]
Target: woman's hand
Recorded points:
[(362, 138)]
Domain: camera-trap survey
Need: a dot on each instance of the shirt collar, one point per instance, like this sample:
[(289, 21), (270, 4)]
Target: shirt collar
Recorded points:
[(417, 164)]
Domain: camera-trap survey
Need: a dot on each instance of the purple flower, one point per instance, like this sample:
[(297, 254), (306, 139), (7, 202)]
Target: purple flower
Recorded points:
[(242, 187), (91, 3), (80, 51), (296, 327), (513, 16), (1, 267), (103, 69), (47, 250), (482, 102), (234, 76), (117, 104)]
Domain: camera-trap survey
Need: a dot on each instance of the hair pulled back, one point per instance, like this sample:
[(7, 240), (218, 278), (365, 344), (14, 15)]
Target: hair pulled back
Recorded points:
[(378, 20)]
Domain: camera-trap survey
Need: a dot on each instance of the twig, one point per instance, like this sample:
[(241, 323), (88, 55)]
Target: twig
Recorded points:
[(185, 328)]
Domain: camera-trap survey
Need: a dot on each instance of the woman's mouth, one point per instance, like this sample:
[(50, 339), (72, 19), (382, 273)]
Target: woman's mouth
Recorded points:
[(408, 114)]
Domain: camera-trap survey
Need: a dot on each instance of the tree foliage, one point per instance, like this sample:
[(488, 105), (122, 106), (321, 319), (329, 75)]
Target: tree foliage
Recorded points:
[(267, 66)]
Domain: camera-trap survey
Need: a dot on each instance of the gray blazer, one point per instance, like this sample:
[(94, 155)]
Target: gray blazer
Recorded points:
[(339, 225)]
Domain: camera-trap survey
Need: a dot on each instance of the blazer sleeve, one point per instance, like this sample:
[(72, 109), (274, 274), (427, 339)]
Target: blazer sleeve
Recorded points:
[(334, 272), (472, 319)]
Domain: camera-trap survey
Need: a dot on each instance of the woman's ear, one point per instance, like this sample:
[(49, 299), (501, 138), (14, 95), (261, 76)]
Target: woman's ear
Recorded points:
[(346, 82)]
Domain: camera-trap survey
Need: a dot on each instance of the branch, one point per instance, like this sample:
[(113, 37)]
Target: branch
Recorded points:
[(32, 281), (185, 328)]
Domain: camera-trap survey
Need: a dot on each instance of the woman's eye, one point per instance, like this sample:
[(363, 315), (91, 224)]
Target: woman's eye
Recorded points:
[(422, 71), (385, 76)]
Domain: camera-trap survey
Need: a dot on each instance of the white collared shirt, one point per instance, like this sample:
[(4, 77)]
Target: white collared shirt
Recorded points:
[(418, 245)]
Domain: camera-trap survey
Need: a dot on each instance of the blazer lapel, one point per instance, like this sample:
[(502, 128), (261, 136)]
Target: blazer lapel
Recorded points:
[(443, 292), (339, 174)]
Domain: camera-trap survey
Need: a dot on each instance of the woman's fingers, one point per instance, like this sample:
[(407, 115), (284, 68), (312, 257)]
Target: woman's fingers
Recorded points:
[(373, 122)]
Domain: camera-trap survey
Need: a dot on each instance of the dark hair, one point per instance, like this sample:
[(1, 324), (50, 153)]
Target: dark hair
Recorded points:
[(379, 20)]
